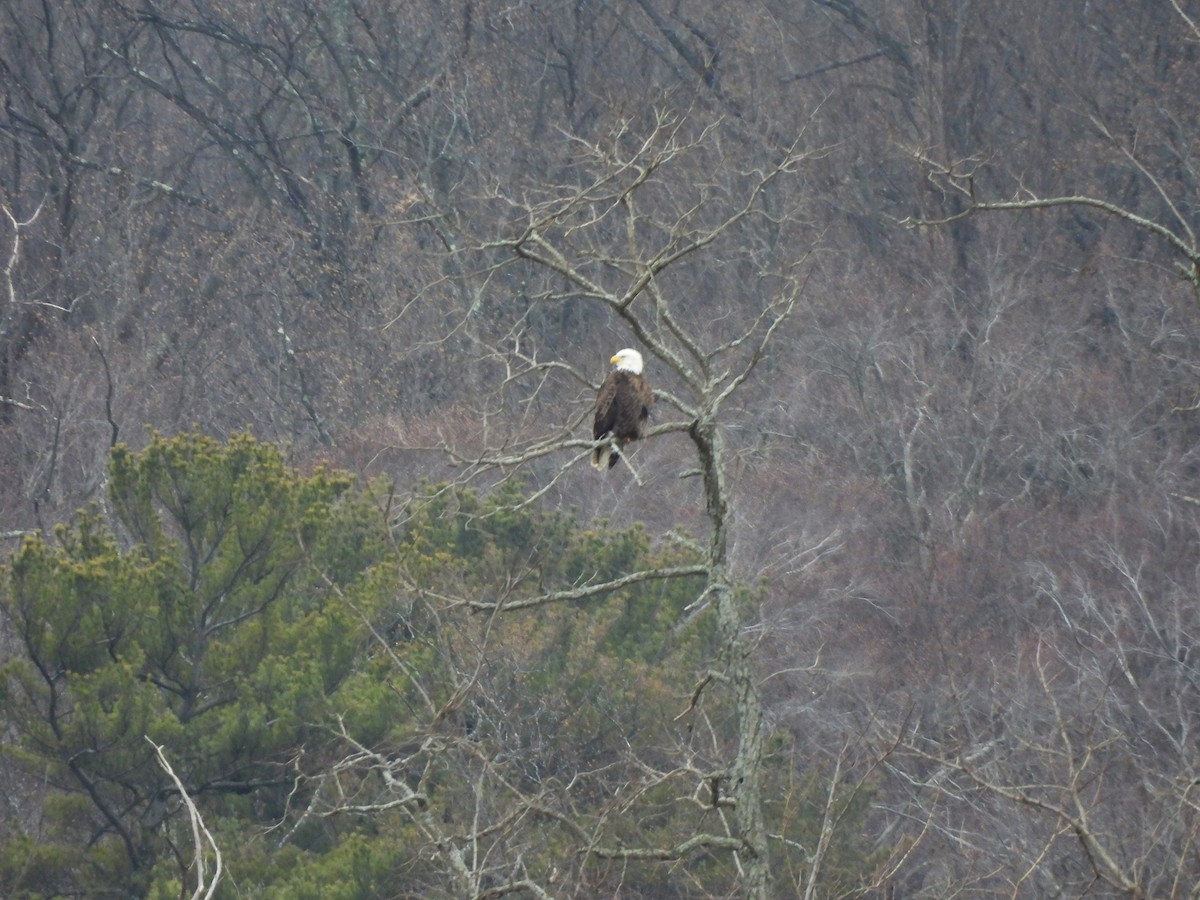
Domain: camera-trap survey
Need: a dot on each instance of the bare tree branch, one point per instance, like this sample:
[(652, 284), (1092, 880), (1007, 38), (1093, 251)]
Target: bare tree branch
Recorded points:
[(951, 178), (679, 851), (591, 590), (202, 838)]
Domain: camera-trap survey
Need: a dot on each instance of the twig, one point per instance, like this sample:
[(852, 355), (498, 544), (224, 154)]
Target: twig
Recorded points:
[(590, 590), (695, 696), (200, 833)]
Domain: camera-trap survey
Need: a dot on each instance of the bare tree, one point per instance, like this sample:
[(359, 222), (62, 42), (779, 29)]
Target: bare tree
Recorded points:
[(618, 243), (638, 230), (13, 311), (1081, 754), (1138, 121)]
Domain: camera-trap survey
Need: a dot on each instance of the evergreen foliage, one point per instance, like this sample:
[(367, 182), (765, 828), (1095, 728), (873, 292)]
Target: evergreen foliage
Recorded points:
[(210, 633), (328, 689)]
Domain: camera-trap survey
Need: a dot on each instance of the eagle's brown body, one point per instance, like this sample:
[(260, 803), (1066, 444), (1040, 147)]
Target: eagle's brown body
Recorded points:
[(622, 407)]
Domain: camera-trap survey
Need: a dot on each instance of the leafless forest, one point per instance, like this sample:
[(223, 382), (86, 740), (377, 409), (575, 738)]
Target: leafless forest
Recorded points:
[(917, 282)]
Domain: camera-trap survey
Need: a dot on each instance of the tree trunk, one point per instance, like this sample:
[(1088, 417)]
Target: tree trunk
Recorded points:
[(745, 777)]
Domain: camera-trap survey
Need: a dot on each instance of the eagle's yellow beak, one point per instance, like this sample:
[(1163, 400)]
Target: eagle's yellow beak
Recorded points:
[(615, 357)]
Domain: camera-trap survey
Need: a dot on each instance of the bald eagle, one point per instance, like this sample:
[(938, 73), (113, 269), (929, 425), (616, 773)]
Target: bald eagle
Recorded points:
[(622, 405)]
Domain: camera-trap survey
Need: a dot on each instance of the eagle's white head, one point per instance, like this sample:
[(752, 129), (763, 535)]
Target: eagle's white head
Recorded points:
[(628, 360)]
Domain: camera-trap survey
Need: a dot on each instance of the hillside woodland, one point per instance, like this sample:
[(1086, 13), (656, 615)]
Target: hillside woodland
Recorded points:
[(308, 589)]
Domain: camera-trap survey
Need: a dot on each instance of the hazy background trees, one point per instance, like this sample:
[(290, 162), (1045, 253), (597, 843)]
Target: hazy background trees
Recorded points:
[(963, 473)]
